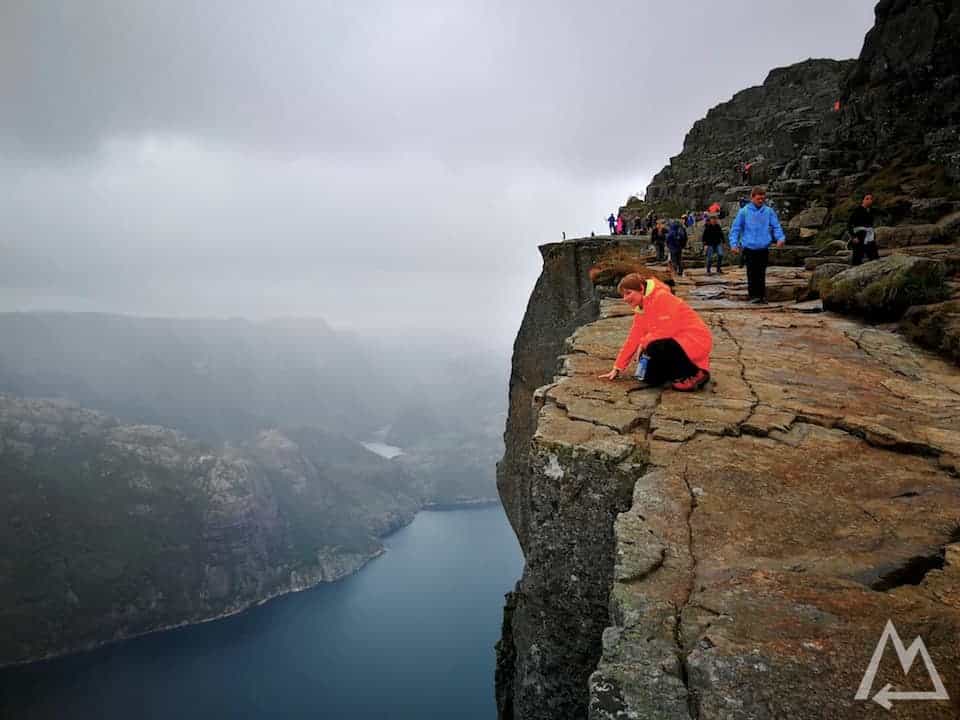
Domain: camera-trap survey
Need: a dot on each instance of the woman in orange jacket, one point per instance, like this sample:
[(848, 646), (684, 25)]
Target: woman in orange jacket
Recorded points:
[(669, 333)]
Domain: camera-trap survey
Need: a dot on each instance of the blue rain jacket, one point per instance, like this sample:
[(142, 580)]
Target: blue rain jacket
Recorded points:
[(755, 228)]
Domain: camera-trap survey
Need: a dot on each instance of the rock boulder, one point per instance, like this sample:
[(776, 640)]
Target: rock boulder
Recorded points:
[(936, 327), (882, 290)]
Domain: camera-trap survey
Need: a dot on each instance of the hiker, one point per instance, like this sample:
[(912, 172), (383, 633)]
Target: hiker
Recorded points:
[(612, 222), (752, 230), (862, 235), (746, 172), (658, 236), (676, 242), (713, 243), (690, 220), (619, 225), (638, 225), (667, 336)]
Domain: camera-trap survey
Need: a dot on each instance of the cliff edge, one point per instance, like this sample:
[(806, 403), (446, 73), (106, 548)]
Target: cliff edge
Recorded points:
[(734, 553)]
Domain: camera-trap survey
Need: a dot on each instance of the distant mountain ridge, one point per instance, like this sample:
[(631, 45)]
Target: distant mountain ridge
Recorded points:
[(113, 530)]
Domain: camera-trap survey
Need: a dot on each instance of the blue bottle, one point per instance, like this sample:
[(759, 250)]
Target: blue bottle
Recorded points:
[(641, 373)]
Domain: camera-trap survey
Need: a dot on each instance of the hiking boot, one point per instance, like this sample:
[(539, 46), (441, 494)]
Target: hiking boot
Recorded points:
[(719, 271), (692, 383)]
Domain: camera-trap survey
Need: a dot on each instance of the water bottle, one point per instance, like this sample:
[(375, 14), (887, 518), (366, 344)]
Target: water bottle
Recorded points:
[(642, 367)]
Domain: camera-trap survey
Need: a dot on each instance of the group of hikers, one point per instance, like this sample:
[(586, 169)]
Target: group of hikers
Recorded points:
[(755, 227), (619, 225), (668, 339)]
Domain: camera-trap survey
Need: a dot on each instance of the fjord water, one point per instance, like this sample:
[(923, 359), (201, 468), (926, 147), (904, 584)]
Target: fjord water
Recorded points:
[(410, 636)]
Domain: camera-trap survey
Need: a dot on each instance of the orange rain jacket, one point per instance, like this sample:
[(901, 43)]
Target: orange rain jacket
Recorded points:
[(663, 316)]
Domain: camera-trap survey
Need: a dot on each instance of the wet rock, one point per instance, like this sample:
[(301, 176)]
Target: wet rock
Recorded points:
[(883, 289), (906, 235), (824, 272), (811, 218), (936, 327)]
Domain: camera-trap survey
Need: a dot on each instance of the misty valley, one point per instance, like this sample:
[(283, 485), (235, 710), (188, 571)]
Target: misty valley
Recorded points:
[(159, 472)]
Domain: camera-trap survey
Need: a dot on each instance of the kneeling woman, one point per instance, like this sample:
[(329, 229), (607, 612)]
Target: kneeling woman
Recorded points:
[(675, 341)]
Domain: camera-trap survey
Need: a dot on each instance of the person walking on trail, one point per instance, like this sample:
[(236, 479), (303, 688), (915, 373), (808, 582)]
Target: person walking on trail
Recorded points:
[(676, 242), (619, 225), (658, 236), (862, 236), (752, 230), (713, 243), (612, 222), (670, 341)]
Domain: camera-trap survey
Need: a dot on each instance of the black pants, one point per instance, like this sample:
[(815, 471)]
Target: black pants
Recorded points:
[(861, 248), (756, 261), (676, 260), (668, 362), (661, 256)]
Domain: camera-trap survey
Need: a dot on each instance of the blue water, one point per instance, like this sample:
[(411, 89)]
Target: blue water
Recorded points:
[(410, 636)]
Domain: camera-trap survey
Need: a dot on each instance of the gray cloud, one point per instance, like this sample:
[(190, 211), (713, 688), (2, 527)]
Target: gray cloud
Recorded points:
[(349, 159)]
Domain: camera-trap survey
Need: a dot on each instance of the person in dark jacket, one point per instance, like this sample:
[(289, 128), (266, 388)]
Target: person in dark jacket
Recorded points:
[(612, 222), (658, 236), (676, 242), (713, 243), (862, 238)]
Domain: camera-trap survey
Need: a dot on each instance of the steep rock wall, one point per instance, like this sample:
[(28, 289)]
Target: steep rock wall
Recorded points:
[(536, 667), (897, 132), (771, 125)]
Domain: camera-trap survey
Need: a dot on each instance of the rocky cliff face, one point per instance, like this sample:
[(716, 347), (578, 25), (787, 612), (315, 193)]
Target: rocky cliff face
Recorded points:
[(897, 132), (734, 553), (737, 553), (563, 299), (112, 530), (903, 98), (770, 125)]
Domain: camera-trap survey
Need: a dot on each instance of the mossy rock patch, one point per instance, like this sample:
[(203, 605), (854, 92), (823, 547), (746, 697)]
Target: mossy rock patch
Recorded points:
[(882, 290)]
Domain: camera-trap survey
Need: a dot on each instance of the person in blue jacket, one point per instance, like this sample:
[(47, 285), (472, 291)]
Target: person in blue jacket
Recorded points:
[(755, 226)]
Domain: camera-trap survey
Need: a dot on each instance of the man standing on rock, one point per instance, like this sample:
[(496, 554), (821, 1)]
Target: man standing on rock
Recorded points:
[(752, 230), (612, 222), (862, 238)]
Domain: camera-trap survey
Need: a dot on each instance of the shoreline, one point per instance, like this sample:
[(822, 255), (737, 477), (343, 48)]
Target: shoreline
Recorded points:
[(471, 504), (294, 587)]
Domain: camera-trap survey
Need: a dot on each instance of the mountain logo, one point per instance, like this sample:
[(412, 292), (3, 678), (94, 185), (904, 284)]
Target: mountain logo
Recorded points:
[(886, 695)]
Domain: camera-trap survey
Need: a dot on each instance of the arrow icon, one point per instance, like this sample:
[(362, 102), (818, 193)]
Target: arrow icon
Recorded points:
[(885, 697)]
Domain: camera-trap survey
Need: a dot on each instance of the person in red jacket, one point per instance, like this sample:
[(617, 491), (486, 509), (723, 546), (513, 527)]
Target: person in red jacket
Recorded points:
[(669, 332)]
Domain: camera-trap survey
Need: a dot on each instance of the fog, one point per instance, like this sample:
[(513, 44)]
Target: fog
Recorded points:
[(388, 166)]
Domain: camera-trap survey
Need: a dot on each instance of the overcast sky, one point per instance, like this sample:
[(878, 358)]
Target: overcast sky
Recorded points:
[(377, 163)]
